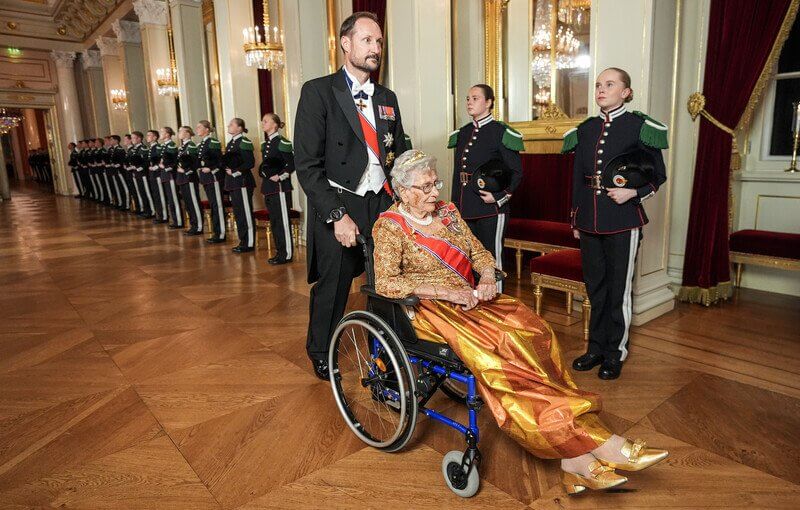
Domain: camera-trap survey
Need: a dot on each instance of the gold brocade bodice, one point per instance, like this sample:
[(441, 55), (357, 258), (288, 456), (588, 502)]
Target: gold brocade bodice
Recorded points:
[(401, 265)]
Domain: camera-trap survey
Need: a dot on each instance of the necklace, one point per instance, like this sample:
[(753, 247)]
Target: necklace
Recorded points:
[(424, 222)]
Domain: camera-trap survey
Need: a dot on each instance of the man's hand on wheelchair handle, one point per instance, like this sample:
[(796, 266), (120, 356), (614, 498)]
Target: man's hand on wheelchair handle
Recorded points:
[(345, 231)]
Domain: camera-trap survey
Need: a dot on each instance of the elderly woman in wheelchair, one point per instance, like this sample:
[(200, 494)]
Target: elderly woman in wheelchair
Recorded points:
[(435, 320)]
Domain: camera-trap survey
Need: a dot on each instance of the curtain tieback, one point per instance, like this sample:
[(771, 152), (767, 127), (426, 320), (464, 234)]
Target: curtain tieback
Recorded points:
[(696, 106)]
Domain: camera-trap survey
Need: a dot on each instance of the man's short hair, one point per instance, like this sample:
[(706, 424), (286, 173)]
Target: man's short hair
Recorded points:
[(349, 23), (138, 133), (115, 138)]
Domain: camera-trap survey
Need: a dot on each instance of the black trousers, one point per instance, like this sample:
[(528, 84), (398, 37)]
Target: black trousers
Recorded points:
[(147, 203), (491, 232), (278, 205), (242, 201), (159, 197), (137, 194), (124, 190), (191, 197), (608, 262), (215, 203), (337, 266), (108, 187), (174, 205), (97, 178), (76, 176), (88, 183)]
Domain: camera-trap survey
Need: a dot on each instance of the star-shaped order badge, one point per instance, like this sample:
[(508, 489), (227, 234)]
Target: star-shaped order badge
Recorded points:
[(388, 139)]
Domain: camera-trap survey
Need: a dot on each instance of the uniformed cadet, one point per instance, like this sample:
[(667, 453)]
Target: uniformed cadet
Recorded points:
[(608, 221), (133, 162), (110, 172), (209, 151), (277, 165), (239, 182), (94, 169), (74, 168), (101, 155), (116, 158), (483, 140), (154, 177), (134, 203), (83, 170), (168, 163), (186, 179)]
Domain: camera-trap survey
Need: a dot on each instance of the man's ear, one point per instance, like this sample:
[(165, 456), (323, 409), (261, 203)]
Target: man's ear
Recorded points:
[(345, 43)]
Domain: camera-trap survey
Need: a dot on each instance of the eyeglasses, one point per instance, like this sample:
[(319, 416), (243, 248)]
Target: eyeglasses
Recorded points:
[(427, 188)]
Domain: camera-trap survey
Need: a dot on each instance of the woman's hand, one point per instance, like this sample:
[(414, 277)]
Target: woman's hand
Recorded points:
[(487, 197), (229, 171), (487, 287), (576, 233), (275, 178), (464, 297), (621, 195)]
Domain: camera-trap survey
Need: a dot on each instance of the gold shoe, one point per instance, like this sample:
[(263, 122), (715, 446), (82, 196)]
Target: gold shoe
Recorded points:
[(639, 456), (603, 477)]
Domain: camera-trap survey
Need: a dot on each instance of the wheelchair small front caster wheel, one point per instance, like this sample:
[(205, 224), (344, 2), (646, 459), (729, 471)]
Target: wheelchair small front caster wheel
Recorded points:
[(456, 477)]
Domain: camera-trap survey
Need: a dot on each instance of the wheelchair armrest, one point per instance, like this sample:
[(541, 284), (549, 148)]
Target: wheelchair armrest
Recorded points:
[(369, 290), (499, 275)]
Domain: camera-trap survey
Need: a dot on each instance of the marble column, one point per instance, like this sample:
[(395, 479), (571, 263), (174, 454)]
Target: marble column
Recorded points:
[(70, 113), (130, 39), (114, 77), (190, 56), (93, 72), (155, 46), (31, 127)]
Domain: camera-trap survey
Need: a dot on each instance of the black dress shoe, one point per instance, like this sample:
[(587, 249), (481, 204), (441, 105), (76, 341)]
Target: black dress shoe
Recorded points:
[(587, 362), (610, 369), (192, 233), (276, 261), (242, 249), (159, 222), (321, 369), (175, 227), (215, 240)]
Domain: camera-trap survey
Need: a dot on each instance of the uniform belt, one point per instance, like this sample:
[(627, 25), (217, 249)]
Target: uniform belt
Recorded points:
[(594, 182), (464, 177)]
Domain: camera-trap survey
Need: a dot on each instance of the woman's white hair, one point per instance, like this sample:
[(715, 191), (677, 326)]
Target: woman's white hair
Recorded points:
[(407, 165)]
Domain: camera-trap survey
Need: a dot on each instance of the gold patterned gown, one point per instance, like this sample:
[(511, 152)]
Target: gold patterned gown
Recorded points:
[(512, 352)]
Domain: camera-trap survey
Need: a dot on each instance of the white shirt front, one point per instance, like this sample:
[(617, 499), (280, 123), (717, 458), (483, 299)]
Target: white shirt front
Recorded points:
[(373, 176)]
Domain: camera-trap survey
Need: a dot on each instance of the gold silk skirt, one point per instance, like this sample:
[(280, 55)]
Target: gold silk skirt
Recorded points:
[(515, 358)]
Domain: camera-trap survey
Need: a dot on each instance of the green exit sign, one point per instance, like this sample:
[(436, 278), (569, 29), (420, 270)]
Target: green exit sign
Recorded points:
[(14, 52)]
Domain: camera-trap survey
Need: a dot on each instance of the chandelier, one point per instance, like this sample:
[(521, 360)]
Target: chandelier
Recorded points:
[(119, 98), (556, 48), (167, 77), (9, 119), (263, 44)]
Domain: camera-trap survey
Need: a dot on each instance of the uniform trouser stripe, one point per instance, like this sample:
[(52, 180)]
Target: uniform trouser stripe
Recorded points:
[(287, 233), (498, 245), (124, 187), (176, 205), (163, 198), (101, 190), (627, 301), (220, 210), (108, 186), (138, 192), (248, 214), (146, 186), (196, 206)]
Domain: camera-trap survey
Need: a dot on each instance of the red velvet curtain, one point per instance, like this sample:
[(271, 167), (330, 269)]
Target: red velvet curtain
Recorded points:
[(545, 189), (264, 76), (740, 38), (378, 7)]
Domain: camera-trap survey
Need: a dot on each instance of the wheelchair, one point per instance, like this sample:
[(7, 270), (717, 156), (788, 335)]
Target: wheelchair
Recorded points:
[(382, 377)]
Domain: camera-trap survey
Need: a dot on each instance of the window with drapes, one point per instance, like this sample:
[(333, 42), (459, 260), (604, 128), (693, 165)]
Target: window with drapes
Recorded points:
[(786, 91)]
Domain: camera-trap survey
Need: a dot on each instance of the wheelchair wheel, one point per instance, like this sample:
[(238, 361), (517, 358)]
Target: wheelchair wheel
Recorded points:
[(372, 381), (457, 479)]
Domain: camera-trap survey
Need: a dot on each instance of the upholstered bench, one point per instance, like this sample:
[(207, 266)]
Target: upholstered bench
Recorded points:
[(538, 236), (561, 270), (764, 248)]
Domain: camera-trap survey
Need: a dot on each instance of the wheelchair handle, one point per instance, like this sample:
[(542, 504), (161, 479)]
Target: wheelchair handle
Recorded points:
[(360, 239)]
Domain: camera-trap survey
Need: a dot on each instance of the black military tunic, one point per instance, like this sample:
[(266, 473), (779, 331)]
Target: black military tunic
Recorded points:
[(186, 179), (610, 233), (75, 170), (138, 161), (278, 195), (168, 164), (116, 159), (156, 186), (240, 184), (209, 151), (477, 143)]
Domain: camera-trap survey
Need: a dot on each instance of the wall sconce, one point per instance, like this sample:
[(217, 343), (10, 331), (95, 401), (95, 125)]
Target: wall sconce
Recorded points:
[(119, 98)]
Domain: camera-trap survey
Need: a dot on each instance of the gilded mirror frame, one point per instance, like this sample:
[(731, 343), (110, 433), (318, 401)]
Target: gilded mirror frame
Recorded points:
[(543, 135)]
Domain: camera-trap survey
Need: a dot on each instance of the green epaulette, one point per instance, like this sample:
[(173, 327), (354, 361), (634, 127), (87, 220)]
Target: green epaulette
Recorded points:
[(285, 145), (246, 144), (409, 145), (512, 139), (653, 133), (170, 146), (571, 137), (192, 148), (453, 140), (214, 143)]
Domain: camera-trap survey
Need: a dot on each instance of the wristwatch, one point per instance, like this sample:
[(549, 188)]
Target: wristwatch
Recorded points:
[(336, 214)]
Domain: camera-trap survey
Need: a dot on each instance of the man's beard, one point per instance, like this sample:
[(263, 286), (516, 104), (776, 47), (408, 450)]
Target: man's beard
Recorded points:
[(366, 65)]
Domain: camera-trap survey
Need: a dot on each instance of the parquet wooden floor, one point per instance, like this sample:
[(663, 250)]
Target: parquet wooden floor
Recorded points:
[(143, 369)]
